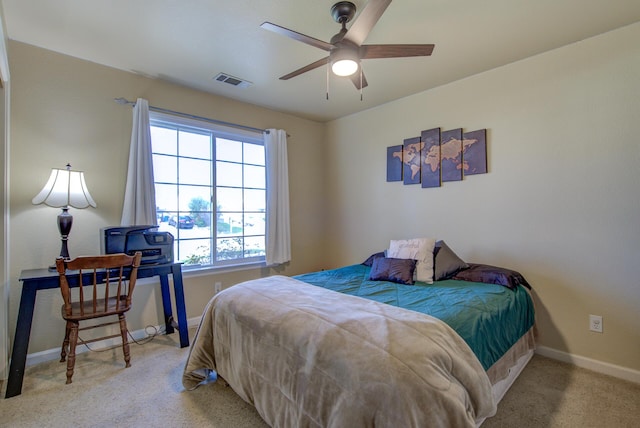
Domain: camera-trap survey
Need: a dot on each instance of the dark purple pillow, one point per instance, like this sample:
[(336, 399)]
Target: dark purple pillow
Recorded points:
[(369, 261), (492, 275), (446, 263), (393, 270)]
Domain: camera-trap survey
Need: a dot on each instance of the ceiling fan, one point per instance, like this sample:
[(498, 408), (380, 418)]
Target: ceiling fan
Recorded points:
[(345, 48)]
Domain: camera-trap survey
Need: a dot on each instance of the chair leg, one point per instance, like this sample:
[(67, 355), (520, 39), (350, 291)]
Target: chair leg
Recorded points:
[(65, 343), (73, 341), (125, 341)]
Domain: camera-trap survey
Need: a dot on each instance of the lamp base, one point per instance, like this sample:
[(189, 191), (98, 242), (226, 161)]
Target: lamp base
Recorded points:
[(65, 221)]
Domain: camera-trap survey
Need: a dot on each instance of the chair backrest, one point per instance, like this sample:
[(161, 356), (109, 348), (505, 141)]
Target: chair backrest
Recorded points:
[(105, 284)]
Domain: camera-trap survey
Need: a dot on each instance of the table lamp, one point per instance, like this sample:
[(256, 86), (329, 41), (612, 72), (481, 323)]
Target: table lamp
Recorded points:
[(65, 189)]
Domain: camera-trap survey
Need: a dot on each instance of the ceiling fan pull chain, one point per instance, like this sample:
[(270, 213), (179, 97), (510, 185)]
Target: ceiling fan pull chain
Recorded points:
[(328, 66), (360, 82)]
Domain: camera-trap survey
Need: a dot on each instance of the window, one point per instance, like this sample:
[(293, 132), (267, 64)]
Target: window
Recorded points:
[(210, 186)]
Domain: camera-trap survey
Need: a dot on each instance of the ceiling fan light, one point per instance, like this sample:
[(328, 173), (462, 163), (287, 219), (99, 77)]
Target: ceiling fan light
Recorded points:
[(344, 67)]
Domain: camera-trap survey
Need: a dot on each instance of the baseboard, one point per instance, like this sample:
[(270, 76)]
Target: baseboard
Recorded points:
[(591, 364), (54, 354)]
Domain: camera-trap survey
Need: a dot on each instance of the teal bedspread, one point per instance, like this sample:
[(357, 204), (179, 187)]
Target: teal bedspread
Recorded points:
[(489, 317)]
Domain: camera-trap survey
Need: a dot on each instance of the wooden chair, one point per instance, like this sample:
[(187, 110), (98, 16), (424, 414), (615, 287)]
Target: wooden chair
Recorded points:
[(94, 298)]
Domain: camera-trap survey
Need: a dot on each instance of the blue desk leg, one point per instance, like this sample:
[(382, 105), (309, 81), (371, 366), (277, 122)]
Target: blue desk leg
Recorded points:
[(178, 290), (166, 303), (21, 340)]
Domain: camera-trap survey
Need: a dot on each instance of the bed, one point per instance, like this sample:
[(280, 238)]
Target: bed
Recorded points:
[(370, 344)]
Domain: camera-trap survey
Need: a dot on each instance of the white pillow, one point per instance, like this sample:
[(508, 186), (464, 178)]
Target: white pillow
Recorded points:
[(419, 249)]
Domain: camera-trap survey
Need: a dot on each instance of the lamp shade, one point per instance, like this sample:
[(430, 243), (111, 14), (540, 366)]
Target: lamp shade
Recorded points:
[(65, 188)]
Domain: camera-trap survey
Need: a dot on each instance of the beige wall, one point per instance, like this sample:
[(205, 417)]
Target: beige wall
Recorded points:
[(63, 111), (4, 206), (560, 202)]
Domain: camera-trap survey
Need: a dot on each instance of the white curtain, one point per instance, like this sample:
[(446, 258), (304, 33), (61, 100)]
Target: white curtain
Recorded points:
[(139, 196), (278, 229)]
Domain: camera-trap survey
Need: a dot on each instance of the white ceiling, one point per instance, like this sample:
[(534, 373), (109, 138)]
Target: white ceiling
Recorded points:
[(190, 41)]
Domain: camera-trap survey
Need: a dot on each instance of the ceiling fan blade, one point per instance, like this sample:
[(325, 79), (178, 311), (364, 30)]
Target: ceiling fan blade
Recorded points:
[(297, 36), (355, 78), (313, 65), (363, 24), (394, 51)]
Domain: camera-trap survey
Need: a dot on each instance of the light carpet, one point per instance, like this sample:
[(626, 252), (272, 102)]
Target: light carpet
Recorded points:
[(105, 394), (150, 393)]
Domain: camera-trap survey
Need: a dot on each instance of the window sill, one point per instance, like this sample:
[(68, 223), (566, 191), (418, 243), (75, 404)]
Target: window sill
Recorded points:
[(196, 271)]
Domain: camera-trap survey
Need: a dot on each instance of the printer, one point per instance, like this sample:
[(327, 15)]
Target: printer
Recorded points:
[(156, 247)]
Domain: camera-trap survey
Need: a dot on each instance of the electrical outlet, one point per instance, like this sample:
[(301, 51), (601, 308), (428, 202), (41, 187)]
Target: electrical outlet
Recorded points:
[(217, 287), (595, 323)]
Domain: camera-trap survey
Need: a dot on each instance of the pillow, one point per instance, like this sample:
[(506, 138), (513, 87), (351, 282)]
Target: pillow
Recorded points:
[(394, 270), (492, 275), (419, 249), (446, 262), (369, 261)]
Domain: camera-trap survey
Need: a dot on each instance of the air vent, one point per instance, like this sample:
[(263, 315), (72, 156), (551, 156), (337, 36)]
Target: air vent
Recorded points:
[(231, 80)]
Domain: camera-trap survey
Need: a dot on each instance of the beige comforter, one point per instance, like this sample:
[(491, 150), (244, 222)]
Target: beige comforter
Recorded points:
[(305, 356)]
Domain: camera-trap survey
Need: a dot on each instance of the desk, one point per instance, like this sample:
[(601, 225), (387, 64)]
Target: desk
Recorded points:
[(43, 279)]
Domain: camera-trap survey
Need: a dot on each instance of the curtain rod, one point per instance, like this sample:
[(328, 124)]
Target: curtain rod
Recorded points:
[(124, 101)]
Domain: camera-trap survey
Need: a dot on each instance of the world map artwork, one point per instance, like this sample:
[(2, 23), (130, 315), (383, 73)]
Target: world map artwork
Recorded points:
[(474, 146), (451, 155), (394, 163), (437, 157), (411, 160), (430, 158)]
